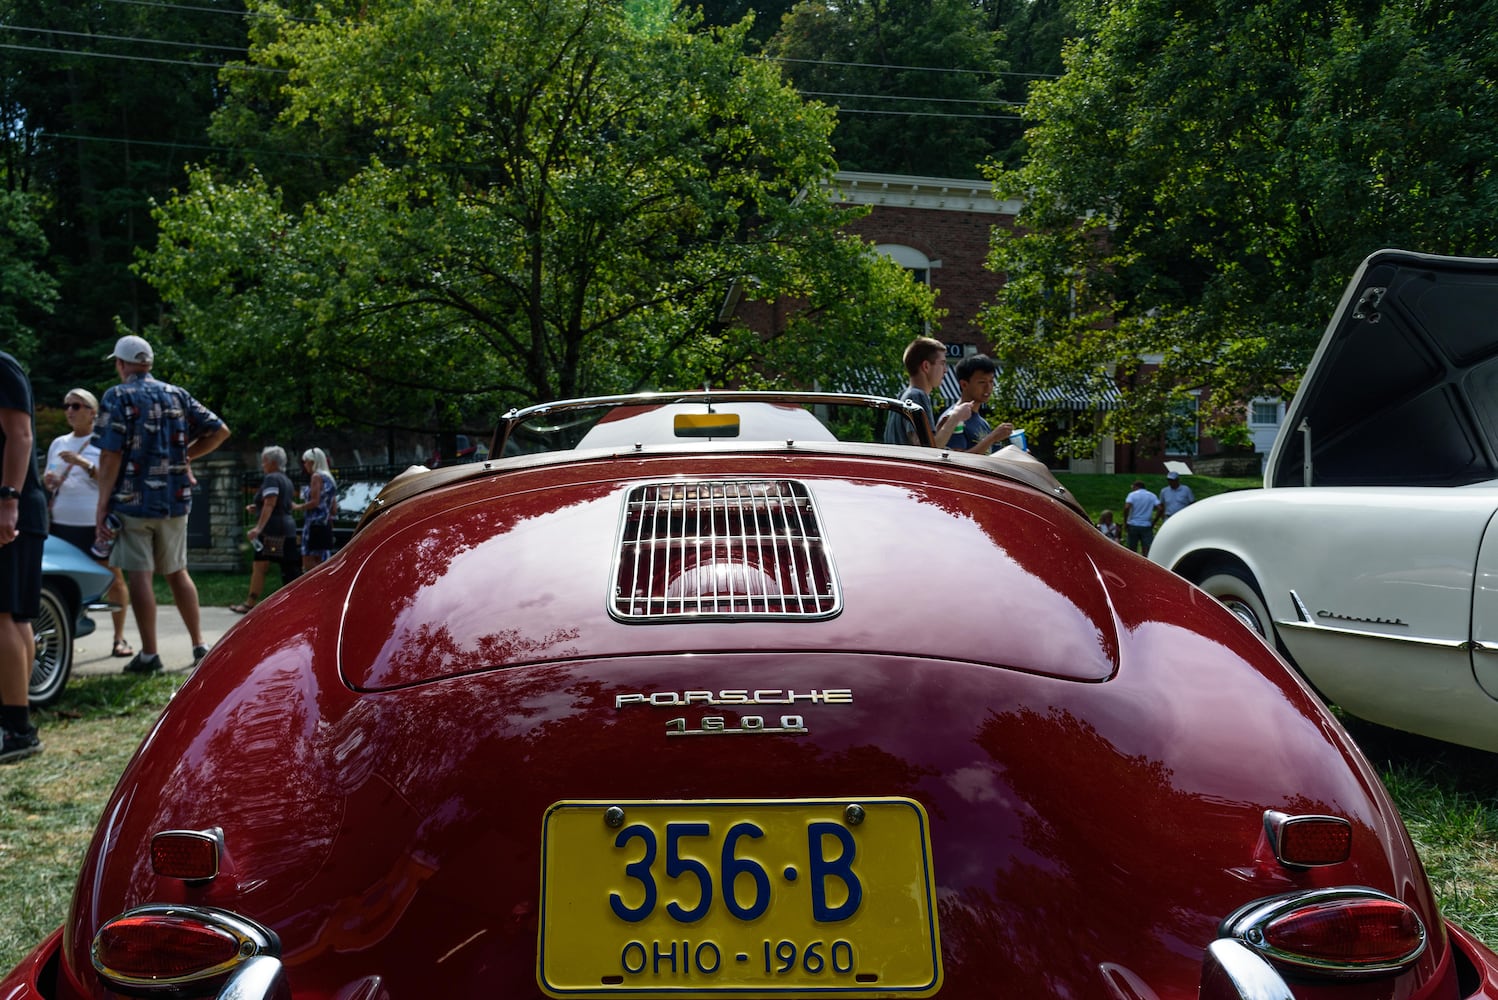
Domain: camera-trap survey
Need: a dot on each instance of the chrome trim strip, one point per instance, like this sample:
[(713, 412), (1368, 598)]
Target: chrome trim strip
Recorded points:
[(1415, 640), (261, 978), (1232, 971)]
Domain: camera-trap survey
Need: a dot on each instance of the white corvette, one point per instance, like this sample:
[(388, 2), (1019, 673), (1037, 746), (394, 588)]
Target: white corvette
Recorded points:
[(1370, 557)]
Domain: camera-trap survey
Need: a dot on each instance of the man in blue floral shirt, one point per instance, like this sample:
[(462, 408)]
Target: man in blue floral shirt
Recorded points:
[(147, 432)]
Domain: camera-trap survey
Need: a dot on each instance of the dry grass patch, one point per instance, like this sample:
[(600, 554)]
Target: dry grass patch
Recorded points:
[(50, 803)]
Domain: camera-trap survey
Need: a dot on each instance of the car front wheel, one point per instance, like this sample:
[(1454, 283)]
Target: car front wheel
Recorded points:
[(54, 649), (1237, 591)]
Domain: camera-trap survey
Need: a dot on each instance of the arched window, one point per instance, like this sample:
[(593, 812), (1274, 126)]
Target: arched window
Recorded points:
[(917, 263)]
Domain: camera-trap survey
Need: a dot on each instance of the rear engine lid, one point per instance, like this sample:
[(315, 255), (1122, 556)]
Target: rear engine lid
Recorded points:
[(509, 570)]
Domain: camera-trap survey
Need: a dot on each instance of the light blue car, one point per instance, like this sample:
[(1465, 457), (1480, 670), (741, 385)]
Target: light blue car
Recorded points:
[(71, 581)]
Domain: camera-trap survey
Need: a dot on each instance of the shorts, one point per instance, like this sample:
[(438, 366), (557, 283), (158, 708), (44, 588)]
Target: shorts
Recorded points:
[(21, 576), (150, 544)]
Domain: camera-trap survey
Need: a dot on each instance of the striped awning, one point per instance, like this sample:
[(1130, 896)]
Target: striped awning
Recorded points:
[(1100, 394)]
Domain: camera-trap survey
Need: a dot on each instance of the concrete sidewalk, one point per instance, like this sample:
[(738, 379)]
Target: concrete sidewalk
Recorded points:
[(91, 654)]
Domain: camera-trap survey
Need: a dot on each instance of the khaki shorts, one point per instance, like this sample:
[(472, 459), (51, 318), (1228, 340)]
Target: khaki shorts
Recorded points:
[(151, 544)]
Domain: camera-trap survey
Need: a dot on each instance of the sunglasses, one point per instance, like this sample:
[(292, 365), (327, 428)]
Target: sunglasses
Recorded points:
[(75, 406)]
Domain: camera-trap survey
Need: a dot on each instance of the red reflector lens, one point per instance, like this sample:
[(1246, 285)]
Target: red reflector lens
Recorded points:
[(1319, 841), (1352, 932), (184, 854), (162, 947)]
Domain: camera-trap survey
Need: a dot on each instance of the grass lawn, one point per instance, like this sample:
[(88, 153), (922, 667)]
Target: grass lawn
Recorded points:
[(219, 589), (1099, 493)]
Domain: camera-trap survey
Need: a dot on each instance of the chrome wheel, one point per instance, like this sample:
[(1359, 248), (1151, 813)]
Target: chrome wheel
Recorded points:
[(1238, 593), (53, 629)]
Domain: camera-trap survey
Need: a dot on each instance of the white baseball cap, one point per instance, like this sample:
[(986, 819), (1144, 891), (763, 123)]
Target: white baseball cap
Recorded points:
[(132, 349)]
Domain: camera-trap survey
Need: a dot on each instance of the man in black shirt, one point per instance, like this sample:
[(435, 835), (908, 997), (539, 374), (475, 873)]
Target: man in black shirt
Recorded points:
[(23, 532)]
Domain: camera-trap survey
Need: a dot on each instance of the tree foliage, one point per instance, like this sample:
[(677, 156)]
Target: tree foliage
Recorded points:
[(101, 105), (917, 83), (1203, 180), (27, 292), (554, 199)]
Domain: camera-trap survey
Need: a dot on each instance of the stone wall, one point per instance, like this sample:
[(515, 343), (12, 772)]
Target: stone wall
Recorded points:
[(1229, 464), (216, 540)]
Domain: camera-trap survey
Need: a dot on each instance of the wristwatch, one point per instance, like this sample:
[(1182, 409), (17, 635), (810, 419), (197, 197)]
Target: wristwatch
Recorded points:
[(9, 493)]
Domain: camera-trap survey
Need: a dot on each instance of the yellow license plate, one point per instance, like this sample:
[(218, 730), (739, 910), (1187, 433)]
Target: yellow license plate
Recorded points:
[(707, 897)]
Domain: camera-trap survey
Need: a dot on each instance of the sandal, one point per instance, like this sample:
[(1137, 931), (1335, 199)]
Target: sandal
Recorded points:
[(122, 648), (241, 609)]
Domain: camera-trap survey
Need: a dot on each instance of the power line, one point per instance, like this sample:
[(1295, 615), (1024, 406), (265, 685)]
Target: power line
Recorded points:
[(921, 69), (252, 67), (248, 67), (930, 114), (216, 10), (902, 97), (122, 38)]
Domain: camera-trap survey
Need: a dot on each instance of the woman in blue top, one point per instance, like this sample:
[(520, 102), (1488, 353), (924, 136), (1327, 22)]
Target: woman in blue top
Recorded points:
[(319, 500)]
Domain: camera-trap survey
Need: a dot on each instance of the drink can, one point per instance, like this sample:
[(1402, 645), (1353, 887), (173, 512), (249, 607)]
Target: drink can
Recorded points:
[(112, 524)]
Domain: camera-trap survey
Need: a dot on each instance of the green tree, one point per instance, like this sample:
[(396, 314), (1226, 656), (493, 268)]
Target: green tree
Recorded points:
[(767, 15), (27, 292), (560, 199), (101, 105), (917, 83), (1204, 178)]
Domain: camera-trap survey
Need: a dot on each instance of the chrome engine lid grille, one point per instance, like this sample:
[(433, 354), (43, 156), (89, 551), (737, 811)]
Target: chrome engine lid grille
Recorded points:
[(722, 550)]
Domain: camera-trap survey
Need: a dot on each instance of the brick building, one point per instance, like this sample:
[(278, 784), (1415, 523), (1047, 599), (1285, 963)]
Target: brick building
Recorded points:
[(939, 228)]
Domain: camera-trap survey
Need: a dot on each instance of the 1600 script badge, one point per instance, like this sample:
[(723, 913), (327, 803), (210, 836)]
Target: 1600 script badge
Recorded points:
[(792, 724)]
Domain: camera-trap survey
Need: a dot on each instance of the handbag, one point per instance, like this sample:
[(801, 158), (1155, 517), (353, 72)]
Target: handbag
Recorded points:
[(54, 491), (319, 536), (273, 547)]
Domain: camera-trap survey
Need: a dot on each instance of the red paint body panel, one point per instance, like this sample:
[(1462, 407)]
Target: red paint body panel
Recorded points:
[(1095, 742)]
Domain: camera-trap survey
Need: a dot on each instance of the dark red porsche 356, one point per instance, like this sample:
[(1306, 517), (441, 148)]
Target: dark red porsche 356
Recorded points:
[(713, 705)]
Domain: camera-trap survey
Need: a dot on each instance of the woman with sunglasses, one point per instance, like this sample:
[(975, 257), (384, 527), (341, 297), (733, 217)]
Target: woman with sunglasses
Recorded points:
[(73, 490)]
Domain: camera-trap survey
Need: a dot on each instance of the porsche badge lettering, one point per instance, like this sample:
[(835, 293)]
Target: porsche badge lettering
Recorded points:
[(736, 696), (755, 725)]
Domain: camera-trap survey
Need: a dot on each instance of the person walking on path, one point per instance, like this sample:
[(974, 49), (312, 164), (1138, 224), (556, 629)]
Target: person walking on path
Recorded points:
[(1139, 518), (23, 533), (320, 502), (1175, 497), (72, 477), (274, 533), (147, 433)]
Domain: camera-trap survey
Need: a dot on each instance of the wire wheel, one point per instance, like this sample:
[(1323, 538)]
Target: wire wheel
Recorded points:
[(54, 649)]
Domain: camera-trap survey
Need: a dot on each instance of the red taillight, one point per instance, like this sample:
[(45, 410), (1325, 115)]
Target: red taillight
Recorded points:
[(1308, 841), (186, 854), (1351, 932), (162, 945), (1343, 931)]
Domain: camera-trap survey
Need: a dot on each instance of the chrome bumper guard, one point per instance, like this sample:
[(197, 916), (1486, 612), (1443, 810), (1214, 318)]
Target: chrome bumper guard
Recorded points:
[(261, 978), (1233, 971)]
